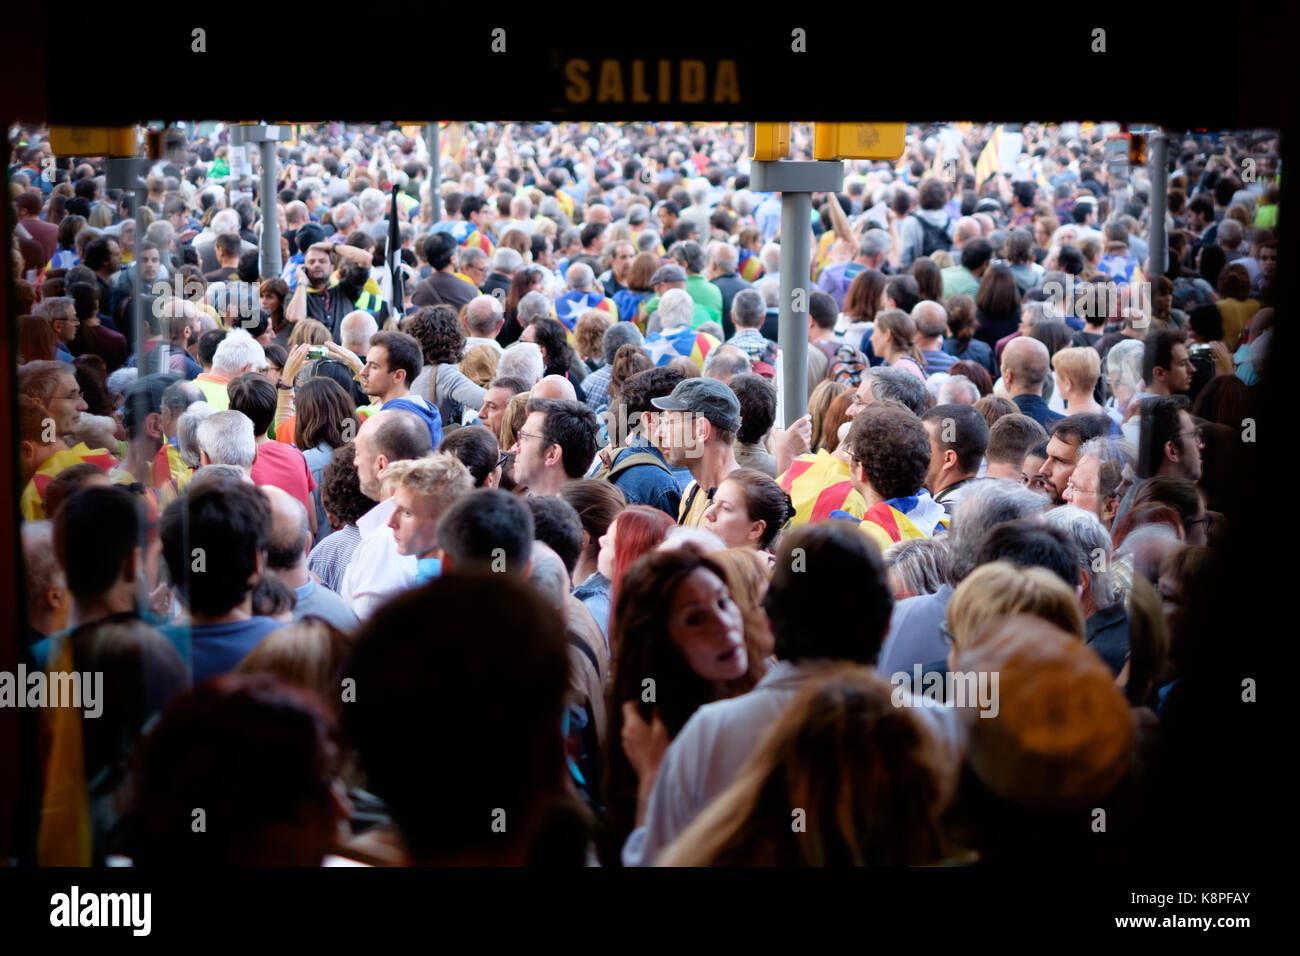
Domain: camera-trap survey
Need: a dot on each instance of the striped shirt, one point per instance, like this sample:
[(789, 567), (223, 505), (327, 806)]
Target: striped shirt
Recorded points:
[(330, 558)]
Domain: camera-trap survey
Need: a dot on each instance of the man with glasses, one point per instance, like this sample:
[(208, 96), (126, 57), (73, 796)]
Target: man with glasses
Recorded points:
[(1095, 483), (474, 266), (556, 445), (61, 313)]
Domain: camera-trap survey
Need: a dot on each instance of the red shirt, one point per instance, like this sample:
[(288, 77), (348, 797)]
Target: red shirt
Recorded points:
[(284, 467)]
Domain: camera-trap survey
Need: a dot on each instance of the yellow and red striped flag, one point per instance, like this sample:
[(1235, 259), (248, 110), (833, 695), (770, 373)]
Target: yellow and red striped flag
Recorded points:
[(990, 160)]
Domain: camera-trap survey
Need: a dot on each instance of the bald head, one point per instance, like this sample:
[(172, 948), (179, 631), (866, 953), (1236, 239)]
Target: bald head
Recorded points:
[(554, 386), (290, 534), (355, 331), (599, 213), (968, 227), (1024, 366), (931, 318)]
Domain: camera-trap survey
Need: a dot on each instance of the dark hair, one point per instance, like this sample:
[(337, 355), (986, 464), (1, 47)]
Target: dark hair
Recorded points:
[(597, 504), (552, 338), (270, 596), (933, 195), (511, 755), (1027, 543), (1206, 320), (1213, 260), (206, 750), (998, 295), (476, 448), (929, 282), (975, 252), (757, 406), (862, 301), (765, 501), (477, 525), (556, 523), (208, 343), (905, 292), (95, 530), (438, 332), (340, 487), (229, 521), (1160, 425), (1178, 493), (1081, 428), (1070, 260), (970, 433), (98, 253), (639, 389), (893, 448), (1011, 437), (640, 634), (91, 374), (85, 298), (322, 410), (1224, 400), (253, 394), (403, 353), (1158, 351), (67, 482), (440, 247), (816, 566), (1055, 334), (822, 309), (571, 425)]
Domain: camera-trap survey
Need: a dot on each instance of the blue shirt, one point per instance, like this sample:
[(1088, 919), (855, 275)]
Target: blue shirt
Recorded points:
[(648, 484), (937, 361), (594, 593), (1036, 408), (217, 649)]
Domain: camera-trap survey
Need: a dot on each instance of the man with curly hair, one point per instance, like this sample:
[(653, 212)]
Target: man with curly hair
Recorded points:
[(890, 455)]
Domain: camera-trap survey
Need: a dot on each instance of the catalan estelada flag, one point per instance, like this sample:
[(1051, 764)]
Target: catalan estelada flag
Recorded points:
[(750, 267), (818, 485), (990, 160), (32, 503), (901, 519), (65, 836), (467, 235), (696, 346), (570, 306)]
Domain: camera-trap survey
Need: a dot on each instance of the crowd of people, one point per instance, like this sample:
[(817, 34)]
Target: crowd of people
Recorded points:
[(472, 537)]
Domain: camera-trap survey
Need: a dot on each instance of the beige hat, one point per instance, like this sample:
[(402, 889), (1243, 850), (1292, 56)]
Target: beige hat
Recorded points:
[(1063, 735)]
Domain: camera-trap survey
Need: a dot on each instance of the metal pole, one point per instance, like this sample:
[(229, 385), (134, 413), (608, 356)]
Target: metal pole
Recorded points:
[(792, 330), (270, 257), (435, 171), (1158, 173)]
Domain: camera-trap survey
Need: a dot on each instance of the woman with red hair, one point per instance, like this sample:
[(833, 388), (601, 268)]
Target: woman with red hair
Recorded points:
[(637, 530)]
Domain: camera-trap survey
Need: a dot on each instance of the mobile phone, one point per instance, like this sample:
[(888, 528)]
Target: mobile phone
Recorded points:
[(317, 352)]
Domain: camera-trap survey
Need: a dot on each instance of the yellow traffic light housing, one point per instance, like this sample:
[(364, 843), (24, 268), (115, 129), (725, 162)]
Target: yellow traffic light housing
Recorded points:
[(859, 140), (769, 141), (93, 140)]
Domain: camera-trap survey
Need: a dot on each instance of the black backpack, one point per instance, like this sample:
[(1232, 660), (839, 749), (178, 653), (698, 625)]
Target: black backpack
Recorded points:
[(934, 238)]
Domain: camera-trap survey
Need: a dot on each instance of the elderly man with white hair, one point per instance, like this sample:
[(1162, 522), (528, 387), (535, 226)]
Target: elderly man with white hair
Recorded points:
[(238, 353), (346, 218), (725, 363), (1105, 618), (521, 216), (226, 220), (485, 315), (581, 296), (227, 438), (374, 204), (724, 261), (522, 360), (676, 337), (957, 390), (356, 329), (699, 211)]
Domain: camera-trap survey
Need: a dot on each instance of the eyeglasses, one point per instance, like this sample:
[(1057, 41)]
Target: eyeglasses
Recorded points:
[(519, 435), (74, 397), (1075, 489), (501, 462)]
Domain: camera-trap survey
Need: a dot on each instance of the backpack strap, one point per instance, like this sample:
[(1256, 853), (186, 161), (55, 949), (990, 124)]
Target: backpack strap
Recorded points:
[(587, 652), (631, 461)]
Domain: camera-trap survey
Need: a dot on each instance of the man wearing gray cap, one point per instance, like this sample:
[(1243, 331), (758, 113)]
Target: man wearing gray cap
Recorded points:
[(698, 430), (671, 276)]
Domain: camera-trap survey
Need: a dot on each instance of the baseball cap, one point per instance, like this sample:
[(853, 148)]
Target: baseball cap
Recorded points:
[(1063, 737), (704, 396), (669, 273)]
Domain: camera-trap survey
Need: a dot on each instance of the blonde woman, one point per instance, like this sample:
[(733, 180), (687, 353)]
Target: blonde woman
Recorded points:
[(819, 402), (864, 780), (480, 365), (1076, 371), (1000, 589)]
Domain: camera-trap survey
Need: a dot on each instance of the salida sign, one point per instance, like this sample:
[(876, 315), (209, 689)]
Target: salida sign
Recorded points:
[(661, 82)]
